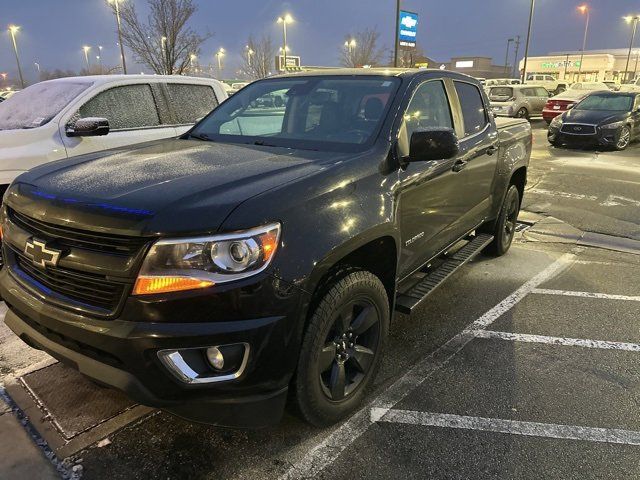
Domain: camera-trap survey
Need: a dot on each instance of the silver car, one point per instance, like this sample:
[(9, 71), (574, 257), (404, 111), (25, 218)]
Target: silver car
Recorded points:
[(520, 101)]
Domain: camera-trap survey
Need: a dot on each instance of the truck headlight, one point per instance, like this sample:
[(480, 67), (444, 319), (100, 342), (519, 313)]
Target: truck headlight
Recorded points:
[(613, 126), (174, 265)]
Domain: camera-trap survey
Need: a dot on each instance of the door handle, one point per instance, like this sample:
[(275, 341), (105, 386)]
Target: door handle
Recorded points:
[(491, 150), (459, 165)]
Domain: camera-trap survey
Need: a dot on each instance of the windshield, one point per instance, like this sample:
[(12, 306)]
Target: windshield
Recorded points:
[(500, 94), (38, 104), (607, 103), (315, 113)]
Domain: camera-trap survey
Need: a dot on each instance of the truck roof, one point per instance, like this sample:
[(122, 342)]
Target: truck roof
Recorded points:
[(103, 79), (363, 72)]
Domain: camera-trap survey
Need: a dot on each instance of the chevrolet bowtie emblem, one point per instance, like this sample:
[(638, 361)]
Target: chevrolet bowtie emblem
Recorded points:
[(40, 255)]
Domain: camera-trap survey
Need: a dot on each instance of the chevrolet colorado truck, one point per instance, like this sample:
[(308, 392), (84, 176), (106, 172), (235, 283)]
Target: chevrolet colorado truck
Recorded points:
[(259, 257)]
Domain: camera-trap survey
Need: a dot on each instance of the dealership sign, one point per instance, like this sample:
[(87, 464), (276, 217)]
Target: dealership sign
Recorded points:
[(563, 64), (407, 29)]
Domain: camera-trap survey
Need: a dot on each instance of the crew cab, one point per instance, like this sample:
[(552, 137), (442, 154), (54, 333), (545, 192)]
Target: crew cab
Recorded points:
[(72, 116), (263, 252)]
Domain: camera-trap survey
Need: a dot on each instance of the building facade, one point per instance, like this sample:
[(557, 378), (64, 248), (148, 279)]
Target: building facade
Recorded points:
[(479, 67), (597, 65)]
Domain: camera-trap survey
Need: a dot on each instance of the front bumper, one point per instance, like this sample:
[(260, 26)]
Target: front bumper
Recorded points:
[(123, 354), (601, 138)]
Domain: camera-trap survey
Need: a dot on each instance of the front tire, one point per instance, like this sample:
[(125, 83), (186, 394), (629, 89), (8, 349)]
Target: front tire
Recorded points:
[(624, 139), (505, 226), (523, 113), (342, 348)]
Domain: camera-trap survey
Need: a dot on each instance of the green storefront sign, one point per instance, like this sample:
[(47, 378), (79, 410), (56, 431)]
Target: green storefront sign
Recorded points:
[(564, 64)]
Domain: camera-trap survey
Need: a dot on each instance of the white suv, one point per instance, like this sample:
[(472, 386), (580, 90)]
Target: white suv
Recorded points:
[(552, 84), (66, 117)]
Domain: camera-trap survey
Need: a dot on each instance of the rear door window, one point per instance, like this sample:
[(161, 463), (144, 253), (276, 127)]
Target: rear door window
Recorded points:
[(473, 110), (190, 103), (126, 107)]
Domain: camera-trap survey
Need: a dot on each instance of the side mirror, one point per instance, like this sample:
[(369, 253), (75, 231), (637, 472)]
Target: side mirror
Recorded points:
[(88, 127), (433, 144)]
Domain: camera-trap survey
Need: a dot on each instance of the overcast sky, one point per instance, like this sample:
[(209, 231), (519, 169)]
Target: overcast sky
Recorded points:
[(53, 31)]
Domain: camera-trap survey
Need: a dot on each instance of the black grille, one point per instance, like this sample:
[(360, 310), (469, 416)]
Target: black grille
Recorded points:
[(74, 238), (90, 290), (579, 129)]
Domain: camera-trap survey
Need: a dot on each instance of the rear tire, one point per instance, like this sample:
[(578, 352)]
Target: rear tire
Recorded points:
[(523, 113), (342, 348), (505, 226)]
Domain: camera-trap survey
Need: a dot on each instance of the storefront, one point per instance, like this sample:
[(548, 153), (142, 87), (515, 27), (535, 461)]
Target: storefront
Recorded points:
[(597, 66)]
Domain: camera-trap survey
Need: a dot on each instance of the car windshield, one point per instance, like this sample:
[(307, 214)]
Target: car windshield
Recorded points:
[(607, 103), (498, 94), (314, 113), (36, 105)]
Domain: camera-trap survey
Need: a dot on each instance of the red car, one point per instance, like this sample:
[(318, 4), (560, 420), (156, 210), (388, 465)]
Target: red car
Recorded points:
[(561, 103)]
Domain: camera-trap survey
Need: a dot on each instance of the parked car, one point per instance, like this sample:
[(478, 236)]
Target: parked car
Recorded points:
[(614, 86), (237, 86), (254, 259), (521, 101), (605, 119), (494, 82), (8, 93), (632, 86), (559, 104), (72, 116), (551, 83)]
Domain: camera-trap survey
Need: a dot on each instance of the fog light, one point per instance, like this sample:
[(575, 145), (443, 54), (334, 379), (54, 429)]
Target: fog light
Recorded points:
[(215, 357)]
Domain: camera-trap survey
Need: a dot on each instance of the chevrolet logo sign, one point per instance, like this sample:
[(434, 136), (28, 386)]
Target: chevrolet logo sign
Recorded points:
[(40, 255)]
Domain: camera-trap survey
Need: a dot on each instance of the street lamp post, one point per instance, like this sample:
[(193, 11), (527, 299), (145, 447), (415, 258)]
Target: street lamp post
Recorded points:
[(585, 10), (526, 48), (219, 55), (117, 8), (13, 29), (506, 57), (249, 53), (165, 59), (284, 20), (86, 50), (633, 19)]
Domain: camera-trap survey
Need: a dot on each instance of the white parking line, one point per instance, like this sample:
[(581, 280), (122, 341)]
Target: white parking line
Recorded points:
[(324, 453), (569, 342), (553, 193), (567, 293), (513, 427)]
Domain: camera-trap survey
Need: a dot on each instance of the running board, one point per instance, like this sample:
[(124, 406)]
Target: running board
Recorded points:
[(407, 301)]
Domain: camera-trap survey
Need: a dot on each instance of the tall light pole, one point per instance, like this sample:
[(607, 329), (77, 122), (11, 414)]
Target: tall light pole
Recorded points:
[(396, 39), (526, 48), (99, 58), (86, 49), (284, 20), (192, 62), (13, 29), (219, 55), (117, 8), (515, 59), (249, 53), (165, 59), (506, 57), (633, 19), (585, 10)]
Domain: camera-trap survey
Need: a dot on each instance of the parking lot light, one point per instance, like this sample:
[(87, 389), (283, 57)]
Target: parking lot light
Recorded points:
[(86, 49), (13, 29), (287, 18), (526, 49), (633, 20), (585, 11)]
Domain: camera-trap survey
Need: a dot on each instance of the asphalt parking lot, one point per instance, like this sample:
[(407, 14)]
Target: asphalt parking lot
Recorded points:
[(525, 366)]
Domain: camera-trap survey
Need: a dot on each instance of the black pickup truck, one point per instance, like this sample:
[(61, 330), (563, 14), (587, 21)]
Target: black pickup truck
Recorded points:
[(264, 252)]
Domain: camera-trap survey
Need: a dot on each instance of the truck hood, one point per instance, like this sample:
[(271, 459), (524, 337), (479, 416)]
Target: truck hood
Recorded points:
[(19, 138), (173, 186)]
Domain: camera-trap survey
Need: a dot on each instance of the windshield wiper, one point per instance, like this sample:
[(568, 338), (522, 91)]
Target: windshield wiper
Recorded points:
[(200, 136)]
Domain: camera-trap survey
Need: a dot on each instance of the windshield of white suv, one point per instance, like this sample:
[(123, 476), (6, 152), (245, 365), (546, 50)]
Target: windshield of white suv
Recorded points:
[(36, 105), (315, 113), (607, 103)]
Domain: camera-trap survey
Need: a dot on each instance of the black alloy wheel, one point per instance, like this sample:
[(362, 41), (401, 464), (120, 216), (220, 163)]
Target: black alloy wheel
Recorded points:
[(342, 347), (505, 226)]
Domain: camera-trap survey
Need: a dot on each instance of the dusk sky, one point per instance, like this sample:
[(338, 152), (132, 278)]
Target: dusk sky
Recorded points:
[(53, 32)]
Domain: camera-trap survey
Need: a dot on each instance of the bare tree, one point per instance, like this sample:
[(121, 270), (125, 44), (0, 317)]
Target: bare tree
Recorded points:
[(409, 58), (366, 50), (165, 43), (259, 57)]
